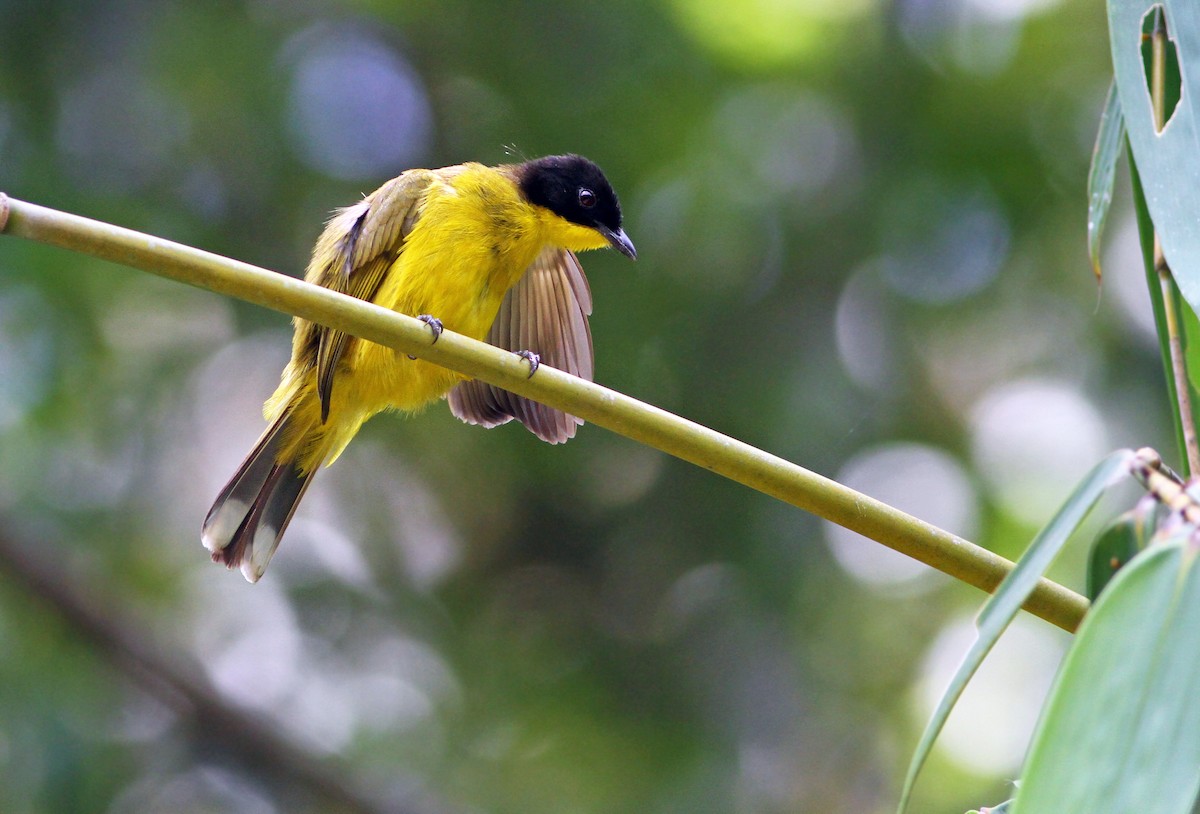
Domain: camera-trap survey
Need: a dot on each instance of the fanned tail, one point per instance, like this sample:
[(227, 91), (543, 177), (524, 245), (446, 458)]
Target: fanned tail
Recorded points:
[(248, 518)]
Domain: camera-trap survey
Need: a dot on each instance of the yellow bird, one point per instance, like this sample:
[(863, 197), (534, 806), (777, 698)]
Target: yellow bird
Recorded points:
[(484, 251)]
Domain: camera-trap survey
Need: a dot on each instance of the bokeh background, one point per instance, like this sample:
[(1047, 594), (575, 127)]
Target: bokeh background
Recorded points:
[(861, 246)]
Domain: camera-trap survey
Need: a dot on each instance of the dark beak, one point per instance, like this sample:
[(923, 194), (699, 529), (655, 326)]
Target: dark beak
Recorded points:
[(620, 241)]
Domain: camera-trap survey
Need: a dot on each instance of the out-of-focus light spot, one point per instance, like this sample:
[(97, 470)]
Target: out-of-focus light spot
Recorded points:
[(694, 593), (1010, 9), (942, 245), (26, 352), (356, 109), (917, 479), (88, 469), (149, 319), (204, 429), (119, 130), (327, 545), (497, 742), (198, 790), (775, 139), (471, 113), (768, 33), (1125, 280), (319, 711), (248, 638), (730, 249), (389, 704), (663, 216), (621, 474), (423, 533), (772, 153), (1032, 440), (975, 36), (1019, 331), (983, 49), (744, 678), (399, 683), (142, 719), (377, 498), (769, 778), (865, 334), (203, 192), (227, 397), (989, 730)]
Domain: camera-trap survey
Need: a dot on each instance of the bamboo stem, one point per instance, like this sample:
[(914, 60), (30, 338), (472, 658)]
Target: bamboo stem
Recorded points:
[(641, 422)]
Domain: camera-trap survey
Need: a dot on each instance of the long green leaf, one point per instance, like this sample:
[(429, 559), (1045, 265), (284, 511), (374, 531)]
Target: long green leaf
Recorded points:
[(1159, 304), (998, 612), (1183, 315), (1121, 732), (1109, 139)]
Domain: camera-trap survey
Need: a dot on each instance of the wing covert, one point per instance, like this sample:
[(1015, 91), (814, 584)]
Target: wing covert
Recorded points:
[(545, 312), (357, 247)]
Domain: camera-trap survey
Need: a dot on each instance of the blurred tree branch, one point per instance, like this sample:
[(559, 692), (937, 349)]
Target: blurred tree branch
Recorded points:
[(614, 411), (180, 684)]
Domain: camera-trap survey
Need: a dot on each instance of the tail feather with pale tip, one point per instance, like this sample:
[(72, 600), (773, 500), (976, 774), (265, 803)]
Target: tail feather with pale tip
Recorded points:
[(243, 528)]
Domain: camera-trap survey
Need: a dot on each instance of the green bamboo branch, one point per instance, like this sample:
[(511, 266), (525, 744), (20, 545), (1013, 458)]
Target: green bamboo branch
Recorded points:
[(641, 422)]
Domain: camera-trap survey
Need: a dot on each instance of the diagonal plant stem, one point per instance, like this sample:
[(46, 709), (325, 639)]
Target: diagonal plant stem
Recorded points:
[(1183, 399), (241, 735), (615, 411)]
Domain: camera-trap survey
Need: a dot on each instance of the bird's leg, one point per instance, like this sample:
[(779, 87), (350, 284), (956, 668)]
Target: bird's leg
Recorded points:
[(435, 325), (532, 358)]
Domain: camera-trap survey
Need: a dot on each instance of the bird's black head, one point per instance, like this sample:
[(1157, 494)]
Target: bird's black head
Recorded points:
[(576, 190)]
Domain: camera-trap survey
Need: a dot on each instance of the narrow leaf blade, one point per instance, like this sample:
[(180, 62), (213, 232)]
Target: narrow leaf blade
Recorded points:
[(1109, 139), (1006, 602), (1158, 302)]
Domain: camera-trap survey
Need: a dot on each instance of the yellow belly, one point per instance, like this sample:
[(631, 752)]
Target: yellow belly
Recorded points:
[(473, 241)]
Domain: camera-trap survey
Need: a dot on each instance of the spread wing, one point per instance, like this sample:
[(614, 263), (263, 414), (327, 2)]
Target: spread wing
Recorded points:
[(358, 246), (545, 312)]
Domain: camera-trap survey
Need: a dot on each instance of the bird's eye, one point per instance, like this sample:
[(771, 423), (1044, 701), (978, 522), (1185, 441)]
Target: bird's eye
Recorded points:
[(587, 198)]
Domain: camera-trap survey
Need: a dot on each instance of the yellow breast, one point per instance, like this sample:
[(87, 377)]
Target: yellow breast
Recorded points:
[(474, 238)]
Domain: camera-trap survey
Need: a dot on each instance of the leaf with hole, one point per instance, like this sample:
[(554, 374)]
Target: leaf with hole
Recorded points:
[(1168, 162)]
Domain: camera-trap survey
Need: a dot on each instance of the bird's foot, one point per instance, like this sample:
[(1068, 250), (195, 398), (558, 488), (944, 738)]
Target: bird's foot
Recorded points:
[(435, 325), (532, 358)]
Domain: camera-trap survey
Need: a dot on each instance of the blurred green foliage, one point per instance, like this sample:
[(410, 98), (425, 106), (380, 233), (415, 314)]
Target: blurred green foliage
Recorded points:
[(857, 226)]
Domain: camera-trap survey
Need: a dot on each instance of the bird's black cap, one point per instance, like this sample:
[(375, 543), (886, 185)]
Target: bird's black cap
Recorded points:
[(575, 189)]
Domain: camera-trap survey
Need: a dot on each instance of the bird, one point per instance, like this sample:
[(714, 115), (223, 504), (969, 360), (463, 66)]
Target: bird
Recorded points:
[(485, 251)]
